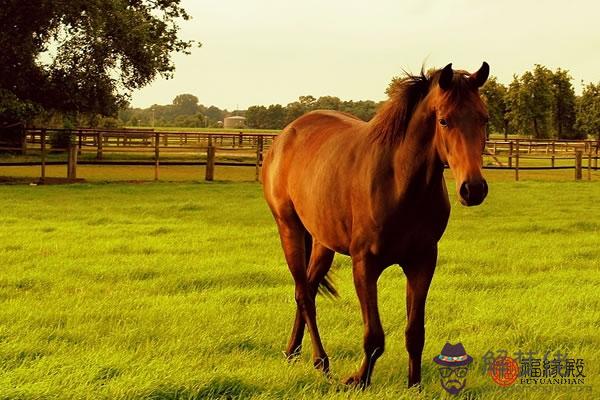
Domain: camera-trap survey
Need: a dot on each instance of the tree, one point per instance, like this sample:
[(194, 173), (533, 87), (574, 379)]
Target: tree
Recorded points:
[(293, 111), (186, 104), (494, 94), (307, 101), (563, 107), (363, 109), (530, 100), (588, 110), (256, 117), (275, 117), (84, 56), (327, 103)]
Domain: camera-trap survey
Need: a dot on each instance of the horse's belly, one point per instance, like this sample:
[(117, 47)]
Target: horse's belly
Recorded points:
[(327, 225)]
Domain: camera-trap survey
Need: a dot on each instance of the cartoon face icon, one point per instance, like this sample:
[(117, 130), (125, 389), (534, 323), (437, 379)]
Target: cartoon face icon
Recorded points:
[(453, 379), (453, 367)]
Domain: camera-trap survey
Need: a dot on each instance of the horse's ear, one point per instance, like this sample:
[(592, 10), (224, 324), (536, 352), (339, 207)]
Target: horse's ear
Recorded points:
[(446, 77), (479, 77)]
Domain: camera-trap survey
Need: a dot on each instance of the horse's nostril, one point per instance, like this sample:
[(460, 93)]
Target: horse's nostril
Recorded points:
[(464, 191)]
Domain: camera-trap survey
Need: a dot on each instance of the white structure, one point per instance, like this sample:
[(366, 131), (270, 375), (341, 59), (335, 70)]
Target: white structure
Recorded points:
[(234, 122)]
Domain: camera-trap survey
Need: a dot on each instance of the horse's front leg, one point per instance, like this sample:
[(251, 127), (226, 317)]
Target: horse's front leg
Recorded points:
[(419, 273), (365, 273)]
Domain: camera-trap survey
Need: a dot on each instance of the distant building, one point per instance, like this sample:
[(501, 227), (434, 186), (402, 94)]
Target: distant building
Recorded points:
[(234, 122)]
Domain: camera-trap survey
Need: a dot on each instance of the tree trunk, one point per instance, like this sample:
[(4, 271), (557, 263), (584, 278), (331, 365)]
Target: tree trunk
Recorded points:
[(535, 128)]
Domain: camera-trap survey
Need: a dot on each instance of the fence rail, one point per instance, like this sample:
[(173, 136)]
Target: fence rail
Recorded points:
[(213, 149)]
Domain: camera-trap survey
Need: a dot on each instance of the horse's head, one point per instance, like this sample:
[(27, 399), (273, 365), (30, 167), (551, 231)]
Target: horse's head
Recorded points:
[(460, 129)]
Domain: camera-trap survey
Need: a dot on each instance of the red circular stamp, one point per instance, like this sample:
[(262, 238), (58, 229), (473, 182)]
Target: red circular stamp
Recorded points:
[(504, 371)]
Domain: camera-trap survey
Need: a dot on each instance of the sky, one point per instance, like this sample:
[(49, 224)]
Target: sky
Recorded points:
[(263, 52)]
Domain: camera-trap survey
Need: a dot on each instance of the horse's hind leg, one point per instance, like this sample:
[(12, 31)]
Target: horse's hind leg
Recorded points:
[(292, 235), (294, 346), (320, 262)]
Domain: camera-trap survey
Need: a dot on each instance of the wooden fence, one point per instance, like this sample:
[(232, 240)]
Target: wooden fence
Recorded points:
[(212, 149)]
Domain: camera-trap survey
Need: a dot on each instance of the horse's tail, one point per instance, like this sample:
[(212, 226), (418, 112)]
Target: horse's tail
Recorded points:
[(326, 286)]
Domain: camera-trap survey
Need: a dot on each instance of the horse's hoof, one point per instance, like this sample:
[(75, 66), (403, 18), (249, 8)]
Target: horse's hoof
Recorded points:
[(356, 382), (291, 357), (322, 364)]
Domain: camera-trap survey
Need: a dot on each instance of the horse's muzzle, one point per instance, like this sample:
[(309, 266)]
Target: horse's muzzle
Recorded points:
[(472, 193)]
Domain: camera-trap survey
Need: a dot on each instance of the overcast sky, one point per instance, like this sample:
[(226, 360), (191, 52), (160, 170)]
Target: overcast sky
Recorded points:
[(272, 51)]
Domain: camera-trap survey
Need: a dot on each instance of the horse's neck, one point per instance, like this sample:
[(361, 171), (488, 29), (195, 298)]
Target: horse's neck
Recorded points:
[(416, 163)]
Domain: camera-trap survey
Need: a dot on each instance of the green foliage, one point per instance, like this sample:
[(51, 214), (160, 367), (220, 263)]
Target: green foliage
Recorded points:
[(185, 104), (530, 100), (84, 56), (277, 117), (588, 110), (494, 94), (109, 123), (563, 105), (541, 103), (13, 109)]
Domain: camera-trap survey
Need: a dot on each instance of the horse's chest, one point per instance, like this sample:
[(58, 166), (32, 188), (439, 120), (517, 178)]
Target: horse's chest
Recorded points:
[(411, 230)]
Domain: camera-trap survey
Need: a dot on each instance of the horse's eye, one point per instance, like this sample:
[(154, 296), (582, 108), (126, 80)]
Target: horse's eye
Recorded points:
[(443, 122)]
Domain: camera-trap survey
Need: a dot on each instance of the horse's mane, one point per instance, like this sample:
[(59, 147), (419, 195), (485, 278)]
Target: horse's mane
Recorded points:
[(391, 120)]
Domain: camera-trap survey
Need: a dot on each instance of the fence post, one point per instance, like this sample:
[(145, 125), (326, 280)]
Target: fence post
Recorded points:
[(80, 142), (72, 161), (259, 150), (156, 154), (590, 164), (596, 158), (99, 143), (578, 157), (210, 161), (43, 151), (553, 153), (510, 154), (517, 162), (23, 140)]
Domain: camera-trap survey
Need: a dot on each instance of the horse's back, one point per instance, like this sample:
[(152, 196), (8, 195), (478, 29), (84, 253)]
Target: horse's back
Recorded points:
[(307, 170), (313, 138)]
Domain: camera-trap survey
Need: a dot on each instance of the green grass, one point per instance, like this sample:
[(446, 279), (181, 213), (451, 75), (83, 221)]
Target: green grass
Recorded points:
[(180, 291), (115, 173)]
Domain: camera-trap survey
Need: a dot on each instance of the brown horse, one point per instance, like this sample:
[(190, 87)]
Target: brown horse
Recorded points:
[(376, 191)]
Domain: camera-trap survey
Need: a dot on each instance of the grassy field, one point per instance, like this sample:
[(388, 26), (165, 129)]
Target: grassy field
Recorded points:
[(116, 173), (180, 291)]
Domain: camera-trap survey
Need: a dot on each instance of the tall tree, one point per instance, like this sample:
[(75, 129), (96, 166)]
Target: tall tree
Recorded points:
[(588, 110), (256, 117), (494, 94), (293, 111), (85, 55), (327, 103), (563, 107), (530, 100), (186, 104)]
